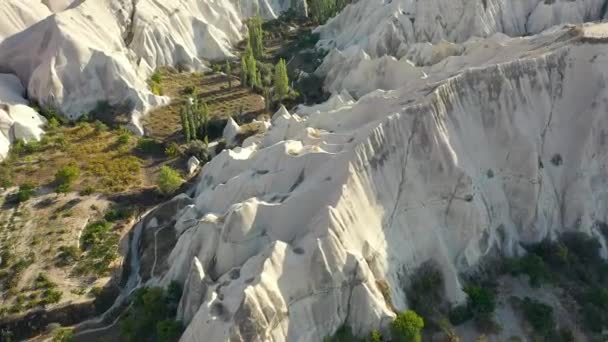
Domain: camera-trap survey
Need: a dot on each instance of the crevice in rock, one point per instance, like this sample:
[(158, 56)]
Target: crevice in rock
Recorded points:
[(130, 30), (402, 178)]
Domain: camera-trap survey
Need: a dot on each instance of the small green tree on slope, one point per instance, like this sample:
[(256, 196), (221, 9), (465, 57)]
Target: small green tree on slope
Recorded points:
[(281, 81), (407, 326), (169, 180)]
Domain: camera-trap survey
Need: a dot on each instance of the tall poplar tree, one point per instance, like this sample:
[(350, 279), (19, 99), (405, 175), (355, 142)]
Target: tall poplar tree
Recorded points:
[(228, 70), (256, 35), (185, 123), (281, 80)]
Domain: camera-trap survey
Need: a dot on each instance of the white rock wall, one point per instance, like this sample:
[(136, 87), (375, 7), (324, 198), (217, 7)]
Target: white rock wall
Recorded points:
[(297, 228)]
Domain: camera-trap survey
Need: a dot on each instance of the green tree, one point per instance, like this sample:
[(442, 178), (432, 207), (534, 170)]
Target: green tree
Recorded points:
[(281, 81), (256, 35), (169, 180), (244, 71), (407, 326), (169, 330), (205, 120), (185, 123), (26, 191), (252, 71), (228, 70), (190, 115)]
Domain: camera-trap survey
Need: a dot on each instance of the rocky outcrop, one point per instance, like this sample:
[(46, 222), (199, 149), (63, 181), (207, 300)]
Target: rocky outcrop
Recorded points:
[(18, 121), (382, 27), (295, 230)]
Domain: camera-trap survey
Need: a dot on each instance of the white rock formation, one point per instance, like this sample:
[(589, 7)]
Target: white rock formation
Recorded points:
[(193, 165), (502, 144), (383, 27), (17, 120)]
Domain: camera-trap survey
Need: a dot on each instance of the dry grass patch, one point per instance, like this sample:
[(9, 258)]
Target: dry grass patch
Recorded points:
[(104, 158)]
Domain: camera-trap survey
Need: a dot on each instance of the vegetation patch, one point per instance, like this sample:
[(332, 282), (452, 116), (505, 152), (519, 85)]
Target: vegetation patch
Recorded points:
[(152, 315), (99, 245)]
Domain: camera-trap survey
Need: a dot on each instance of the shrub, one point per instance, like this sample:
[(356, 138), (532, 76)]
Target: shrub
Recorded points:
[(148, 145), (94, 233), (172, 150), (88, 190), (169, 330), (532, 265), (152, 313), (375, 336), (198, 149), (169, 180), (26, 191), (51, 296), (156, 77), (100, 126), (460, 314), (65, 176), (67, 255), (539, 315), (118, 213), (52, 123), (190, 90), (343, 334), (43, 282), (407, 326), (425, 293), (63, 335), (156, 83), (124, 137), (481, 300)]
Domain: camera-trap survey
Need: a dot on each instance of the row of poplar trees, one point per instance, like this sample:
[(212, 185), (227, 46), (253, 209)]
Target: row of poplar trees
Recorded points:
[(322, 10), (250, 75), (195, 120)]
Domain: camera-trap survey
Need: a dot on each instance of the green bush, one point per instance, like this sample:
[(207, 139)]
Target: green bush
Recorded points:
[(169, 330), (26, 191), (198, 149), (88, 190), (425, 293), (460, 314), (65, 176), (169, 180), (124, 138), (68, 255), (100, 126), (51, 296), (149, 145), (52, 123), (343, 334), (152, 316), (94, 233), (172, 150), (532, 265), (63, 335), (481, 300), (375, 336), (190, 90), (407, 327), (116, 213), (539, 315), (156, 77)]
